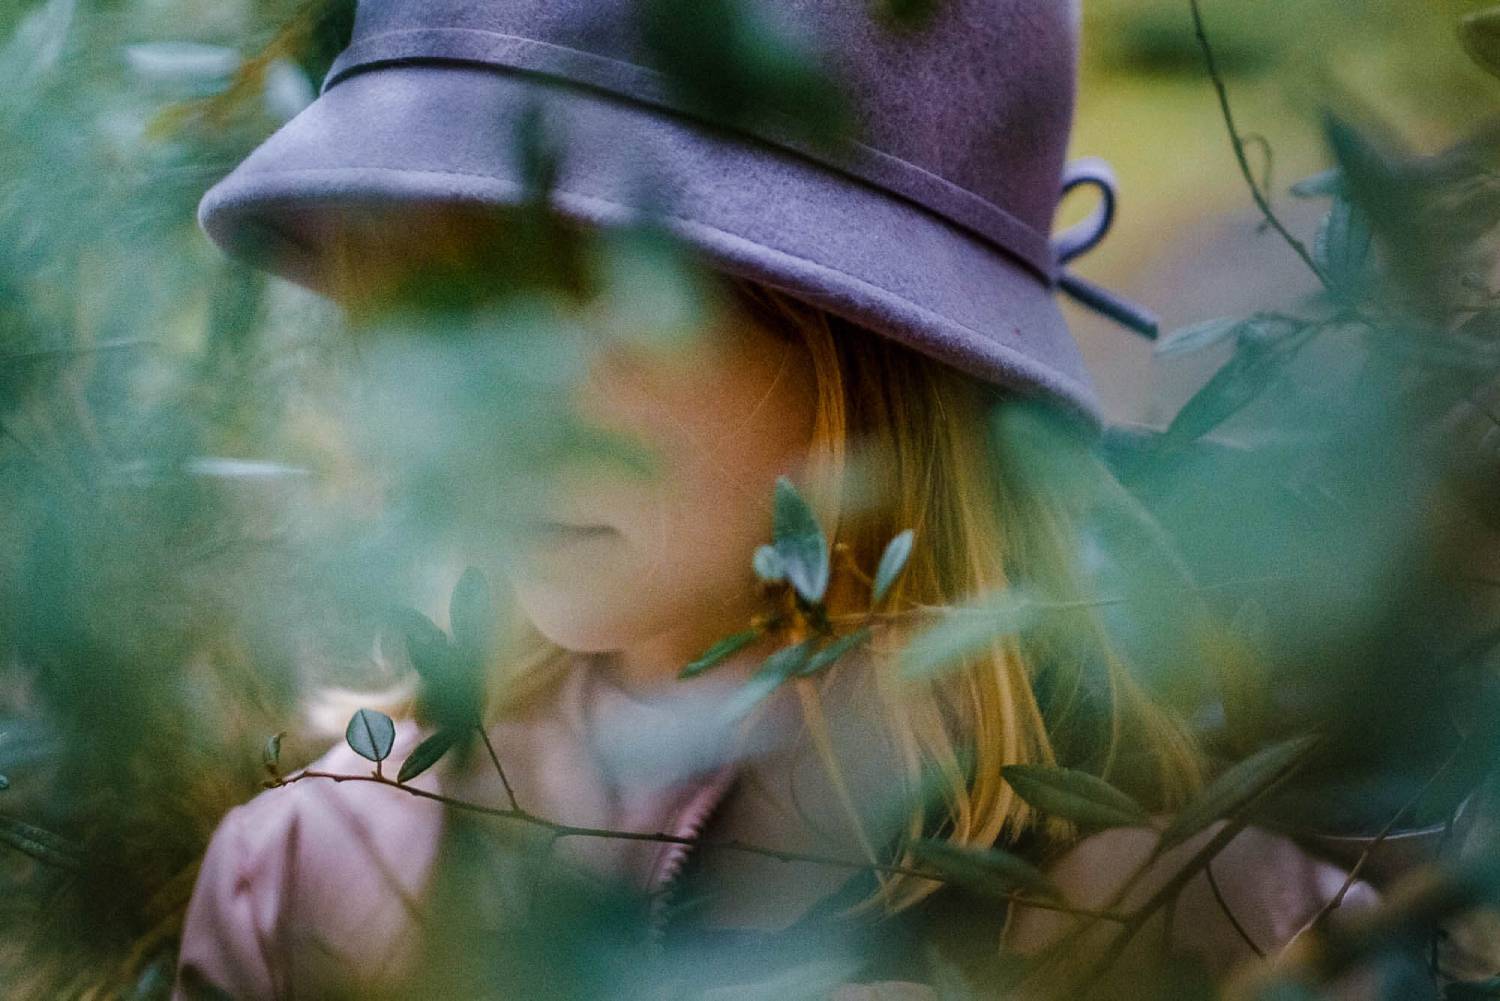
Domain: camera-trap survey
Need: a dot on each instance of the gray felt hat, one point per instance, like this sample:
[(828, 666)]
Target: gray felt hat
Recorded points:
[(932, 226)]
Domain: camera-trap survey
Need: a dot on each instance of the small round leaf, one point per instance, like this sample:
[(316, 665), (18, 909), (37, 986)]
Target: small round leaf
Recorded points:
[(371, 734), (767, 564)]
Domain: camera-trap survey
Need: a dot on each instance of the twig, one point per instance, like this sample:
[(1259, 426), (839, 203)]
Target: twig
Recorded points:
[(1166, 894), (570, 831), (1261, 201), (1232, 828), (1337, 899), (510, 793), (1213, 884)]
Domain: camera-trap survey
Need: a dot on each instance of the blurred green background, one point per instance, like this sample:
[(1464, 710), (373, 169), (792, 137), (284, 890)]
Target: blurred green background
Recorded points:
[(137, 358), (1186, 242)]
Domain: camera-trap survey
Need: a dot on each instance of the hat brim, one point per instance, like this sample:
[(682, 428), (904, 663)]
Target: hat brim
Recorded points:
[(413, 133)]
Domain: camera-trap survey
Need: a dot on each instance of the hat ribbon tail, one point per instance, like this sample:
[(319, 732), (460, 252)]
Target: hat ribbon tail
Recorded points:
[(1079, 239)]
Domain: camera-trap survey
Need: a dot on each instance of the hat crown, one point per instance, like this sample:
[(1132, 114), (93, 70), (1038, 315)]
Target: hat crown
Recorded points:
[(980, 97)]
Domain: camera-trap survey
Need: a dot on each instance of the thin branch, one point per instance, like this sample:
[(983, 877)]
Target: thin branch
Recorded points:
[(1261, 201), (1234, 825), (570, 831), (510, 793), (1337, 899), (1167, 894), (1213, 884)]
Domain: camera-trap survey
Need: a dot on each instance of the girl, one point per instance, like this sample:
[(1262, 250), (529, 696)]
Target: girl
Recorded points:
[(639, 833)]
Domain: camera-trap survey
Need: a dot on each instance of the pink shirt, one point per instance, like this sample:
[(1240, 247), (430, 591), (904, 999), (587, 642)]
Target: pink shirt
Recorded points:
[(314, 889)]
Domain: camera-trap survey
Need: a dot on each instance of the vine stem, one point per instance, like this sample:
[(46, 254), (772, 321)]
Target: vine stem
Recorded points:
[(571, 831), (1238, 141), (1233, 826), (1337, 899), (510, 794)]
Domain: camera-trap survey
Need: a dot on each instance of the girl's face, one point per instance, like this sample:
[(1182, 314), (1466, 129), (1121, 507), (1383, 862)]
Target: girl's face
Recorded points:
[(658, 567), (653, 567)]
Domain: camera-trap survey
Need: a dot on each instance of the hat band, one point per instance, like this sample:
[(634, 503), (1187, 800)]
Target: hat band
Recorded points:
[(889, 173)]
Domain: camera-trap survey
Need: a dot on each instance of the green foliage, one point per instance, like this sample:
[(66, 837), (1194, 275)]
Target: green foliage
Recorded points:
[(967, 632), (987, 871), (454, 672), (1073, 795), (1344, 250), (720, 651), (830, 652), (1237, 787), (775, 669), (210, 502), (270, 756), (892, 562), (371, 734), (426, 754), (767, 564), (799, 541)]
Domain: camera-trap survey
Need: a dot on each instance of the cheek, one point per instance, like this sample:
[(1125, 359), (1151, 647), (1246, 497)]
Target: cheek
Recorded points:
[(687, 536), (722, 456)]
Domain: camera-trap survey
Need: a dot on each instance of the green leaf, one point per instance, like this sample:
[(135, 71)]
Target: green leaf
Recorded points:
[(767, 564), (270, 755), (1320, 185), (427, 753), (829, 655), (44, 846), (1237, 786), (892, 562), (1197, 336), (1480, 33), (371, 734), (471, 610), (720, 651), (452, 683), (968, 631), (799, 541), (774, 670), (1073, 795), (426, 644), (987, 871), (1344, 249), (1244, 377)]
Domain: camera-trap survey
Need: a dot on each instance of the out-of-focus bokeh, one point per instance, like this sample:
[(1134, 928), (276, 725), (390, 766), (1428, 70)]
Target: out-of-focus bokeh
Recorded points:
[(211, 500), (1187, 242)]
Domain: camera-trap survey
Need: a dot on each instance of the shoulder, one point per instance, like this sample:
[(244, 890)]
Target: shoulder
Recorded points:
[(309, 878), (1257, 894)]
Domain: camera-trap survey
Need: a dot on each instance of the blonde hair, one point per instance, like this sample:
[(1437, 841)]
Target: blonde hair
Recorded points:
[(919, 432)]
